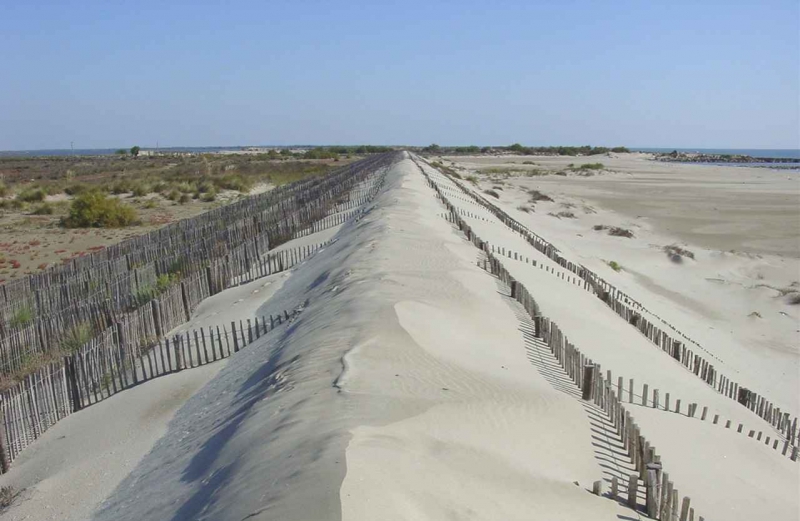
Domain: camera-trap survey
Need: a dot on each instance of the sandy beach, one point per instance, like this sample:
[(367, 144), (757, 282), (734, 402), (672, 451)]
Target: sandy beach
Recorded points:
[(411, 387)]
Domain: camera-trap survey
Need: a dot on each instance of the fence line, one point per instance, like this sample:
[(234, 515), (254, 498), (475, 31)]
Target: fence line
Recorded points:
[(136, 348), (92, 290), (661, 496), (631, 311)]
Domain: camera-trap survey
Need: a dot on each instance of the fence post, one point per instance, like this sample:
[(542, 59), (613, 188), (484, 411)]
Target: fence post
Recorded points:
[(235, 338), (633, 490), (5, 459), (72, 383), (588, 381)]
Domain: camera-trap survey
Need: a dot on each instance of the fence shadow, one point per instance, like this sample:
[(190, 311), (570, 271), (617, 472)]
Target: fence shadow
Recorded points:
[(609, 450)]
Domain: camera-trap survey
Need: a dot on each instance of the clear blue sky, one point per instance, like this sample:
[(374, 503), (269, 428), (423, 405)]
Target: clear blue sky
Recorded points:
[(671, 74)]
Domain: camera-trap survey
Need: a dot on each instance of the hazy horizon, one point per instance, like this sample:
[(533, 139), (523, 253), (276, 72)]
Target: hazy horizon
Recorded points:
[(670, 76)]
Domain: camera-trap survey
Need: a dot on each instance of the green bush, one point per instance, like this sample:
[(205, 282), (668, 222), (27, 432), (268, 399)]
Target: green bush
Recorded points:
[(143, 295), (22, 317), (592, 166), (121, 187), (184, 198), (235, 182), (75, 189), (140, 189), (43, 209), (614, 265), (31, 195), (209, 196), (96, 210), (165, 281), (76, 337), (4, 191)]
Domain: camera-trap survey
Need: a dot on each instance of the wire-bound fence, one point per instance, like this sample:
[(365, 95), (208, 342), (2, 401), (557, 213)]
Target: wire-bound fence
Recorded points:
[(92, 290), (632, 312), (662, 500), (135, 347)]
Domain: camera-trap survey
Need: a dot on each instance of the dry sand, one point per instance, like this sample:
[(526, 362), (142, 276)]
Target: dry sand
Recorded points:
[(408, 389), (743, 225)]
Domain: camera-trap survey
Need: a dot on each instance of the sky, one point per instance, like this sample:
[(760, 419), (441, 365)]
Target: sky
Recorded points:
[(635, 73)]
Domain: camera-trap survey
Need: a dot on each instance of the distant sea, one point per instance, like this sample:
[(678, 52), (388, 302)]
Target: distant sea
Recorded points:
[(752, 152)]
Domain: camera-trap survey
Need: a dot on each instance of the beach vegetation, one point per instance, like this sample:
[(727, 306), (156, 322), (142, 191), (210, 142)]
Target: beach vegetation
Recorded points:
[(96, 210), (43, 209), (536, 195), (614, 265), (677, 253), (7, 495), (492, 193), (76, 337), (135, 151), (32, 195), (591, 166), (21, 317)]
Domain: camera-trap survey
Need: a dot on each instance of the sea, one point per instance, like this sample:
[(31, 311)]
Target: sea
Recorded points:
[(778, 153)]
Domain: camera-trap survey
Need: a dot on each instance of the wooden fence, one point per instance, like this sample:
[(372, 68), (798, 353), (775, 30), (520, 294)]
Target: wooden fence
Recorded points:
[(135, 347), (662, 500), (92, 290), (631, 311)]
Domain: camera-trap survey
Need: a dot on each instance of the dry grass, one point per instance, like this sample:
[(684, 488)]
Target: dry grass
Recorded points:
[(677, 253), (7, 496), (536, 195)]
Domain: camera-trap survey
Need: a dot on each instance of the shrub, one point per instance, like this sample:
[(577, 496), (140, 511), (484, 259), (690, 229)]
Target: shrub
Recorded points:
[(492, 193), (43, 209), (614, 265), (165, 281), (676, 253), (143, 295), (150, 204), (75, 189), (184, 198), (121, 187), (96, 210), (234, 182), (794, 299), (7, 496), (31, 195), (620, 232), (591, 166), (523, 209), (599, 227), (497, 187), (209, 196), (76, 337), (22, 317), (140, 189), (536, 195), (472, 179), (174, 195), (566, 215), (4, 191)]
